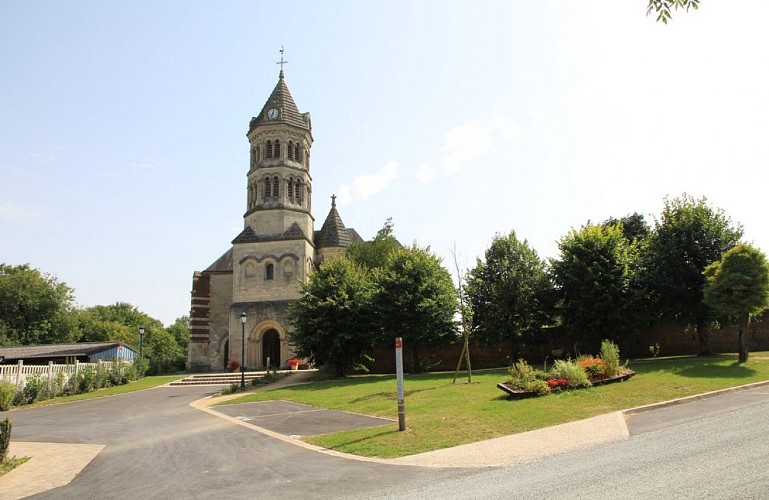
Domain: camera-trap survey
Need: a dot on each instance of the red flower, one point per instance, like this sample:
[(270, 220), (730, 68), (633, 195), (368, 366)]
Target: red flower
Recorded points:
[(558, 383)]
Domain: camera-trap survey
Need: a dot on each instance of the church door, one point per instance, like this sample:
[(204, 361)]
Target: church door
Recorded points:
[(226, 357), (271, 347)]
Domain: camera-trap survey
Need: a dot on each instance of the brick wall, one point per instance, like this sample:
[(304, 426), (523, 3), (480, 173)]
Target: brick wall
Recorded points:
[(673, 340)]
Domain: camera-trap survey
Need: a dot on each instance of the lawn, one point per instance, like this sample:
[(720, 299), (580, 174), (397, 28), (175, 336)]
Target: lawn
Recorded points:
[(440, 414)]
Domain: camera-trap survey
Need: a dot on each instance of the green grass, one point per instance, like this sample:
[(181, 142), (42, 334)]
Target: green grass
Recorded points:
[(440, 414), (9, 464), (136, 385)]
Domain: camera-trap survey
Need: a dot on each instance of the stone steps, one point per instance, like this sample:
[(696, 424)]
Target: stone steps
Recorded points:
[(218, 379)]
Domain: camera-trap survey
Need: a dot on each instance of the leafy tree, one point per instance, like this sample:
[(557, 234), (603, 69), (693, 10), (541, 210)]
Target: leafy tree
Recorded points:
[(374, 254), (121, 322), (596, 283), (508, 292), (164, 351), (34, 307), (738, 287), (180, 331), (689, 236), (634, 227), (332, 321), (93, 328), (415, 299), (662, 7)]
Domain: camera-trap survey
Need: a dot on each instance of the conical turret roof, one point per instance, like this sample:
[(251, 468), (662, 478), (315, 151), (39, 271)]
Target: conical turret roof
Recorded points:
[(281, 100), (333, 233)]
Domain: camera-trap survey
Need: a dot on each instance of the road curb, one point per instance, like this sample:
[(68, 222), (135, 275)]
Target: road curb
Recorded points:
[(696, 397)]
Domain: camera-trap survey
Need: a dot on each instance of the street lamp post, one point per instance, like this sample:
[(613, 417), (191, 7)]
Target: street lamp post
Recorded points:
[(141, 341), (243, 350)]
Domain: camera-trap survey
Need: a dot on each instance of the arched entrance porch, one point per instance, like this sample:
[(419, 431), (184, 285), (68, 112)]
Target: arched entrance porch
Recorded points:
[(267, 340), (271, 347)]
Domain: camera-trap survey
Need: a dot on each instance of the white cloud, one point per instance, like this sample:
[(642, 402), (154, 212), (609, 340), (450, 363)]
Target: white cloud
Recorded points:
[(463, 143), (145, 166), (508, 129), (365, 186), (473, 140), (13, 212), (426, 174)]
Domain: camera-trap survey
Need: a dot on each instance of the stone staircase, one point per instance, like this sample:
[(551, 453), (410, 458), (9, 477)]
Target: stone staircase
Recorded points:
[(218, 378)]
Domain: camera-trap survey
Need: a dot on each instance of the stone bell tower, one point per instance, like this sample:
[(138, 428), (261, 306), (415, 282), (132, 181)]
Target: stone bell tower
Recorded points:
[(275, 250), (261, 273)]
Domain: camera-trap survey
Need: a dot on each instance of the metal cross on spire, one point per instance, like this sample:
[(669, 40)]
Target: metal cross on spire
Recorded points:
[(281, 62)]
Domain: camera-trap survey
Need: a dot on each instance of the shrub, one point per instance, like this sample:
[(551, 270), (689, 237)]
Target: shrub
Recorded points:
[(610, 357), (35, 389), (119, 373), (101, 377), (8, 392), (138, 369), (570, 370), (595, 367), (268, 378), (86, 380), (232, 389), (61, 385), (525, 378), (5, 439)]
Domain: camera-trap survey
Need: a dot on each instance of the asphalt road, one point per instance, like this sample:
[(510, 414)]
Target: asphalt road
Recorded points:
[(157, 446), (714, 448)]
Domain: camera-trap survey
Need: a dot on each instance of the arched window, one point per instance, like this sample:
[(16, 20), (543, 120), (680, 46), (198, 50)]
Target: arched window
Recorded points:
[(267, 188), (290, 151), (269, 272), (299, 194), (253, 156), (298, 152), (277, 149), (291, 189), (268, 152), (258, 153), (275, 187)]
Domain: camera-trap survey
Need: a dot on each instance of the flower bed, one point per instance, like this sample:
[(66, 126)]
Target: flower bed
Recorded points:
[(585, 371), (513, 393)]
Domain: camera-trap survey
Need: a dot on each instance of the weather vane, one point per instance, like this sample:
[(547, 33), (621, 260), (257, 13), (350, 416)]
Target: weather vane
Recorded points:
[(281, 62)]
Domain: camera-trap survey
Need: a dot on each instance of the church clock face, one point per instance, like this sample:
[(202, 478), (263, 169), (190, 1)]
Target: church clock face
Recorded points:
[(272, 114)]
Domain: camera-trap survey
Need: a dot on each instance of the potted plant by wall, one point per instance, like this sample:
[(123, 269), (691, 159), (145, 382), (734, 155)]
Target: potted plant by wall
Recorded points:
[(294, 363), (233, 365)]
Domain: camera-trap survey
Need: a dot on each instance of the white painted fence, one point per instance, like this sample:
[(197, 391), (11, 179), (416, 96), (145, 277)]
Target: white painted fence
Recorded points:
[(19, 372)]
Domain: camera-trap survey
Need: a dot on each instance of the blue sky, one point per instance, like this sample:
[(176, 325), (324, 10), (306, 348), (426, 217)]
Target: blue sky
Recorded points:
[(123, 154)]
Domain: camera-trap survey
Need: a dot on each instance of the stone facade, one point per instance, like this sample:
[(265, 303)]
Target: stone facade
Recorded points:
[(261, 273)]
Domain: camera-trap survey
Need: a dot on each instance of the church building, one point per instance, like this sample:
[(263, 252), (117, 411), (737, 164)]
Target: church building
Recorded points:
[(259, 275)]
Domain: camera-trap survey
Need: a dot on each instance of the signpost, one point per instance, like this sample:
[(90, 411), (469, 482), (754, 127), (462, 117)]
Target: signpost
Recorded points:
[(399, 372)]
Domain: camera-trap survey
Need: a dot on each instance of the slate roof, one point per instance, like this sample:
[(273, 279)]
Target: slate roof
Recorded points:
[(248, 235), (223, 263), (281, 100), (57, 350), (333, 234)]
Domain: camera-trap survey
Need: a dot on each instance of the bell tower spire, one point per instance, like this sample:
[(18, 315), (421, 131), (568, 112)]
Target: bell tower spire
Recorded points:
[(279, 185)]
